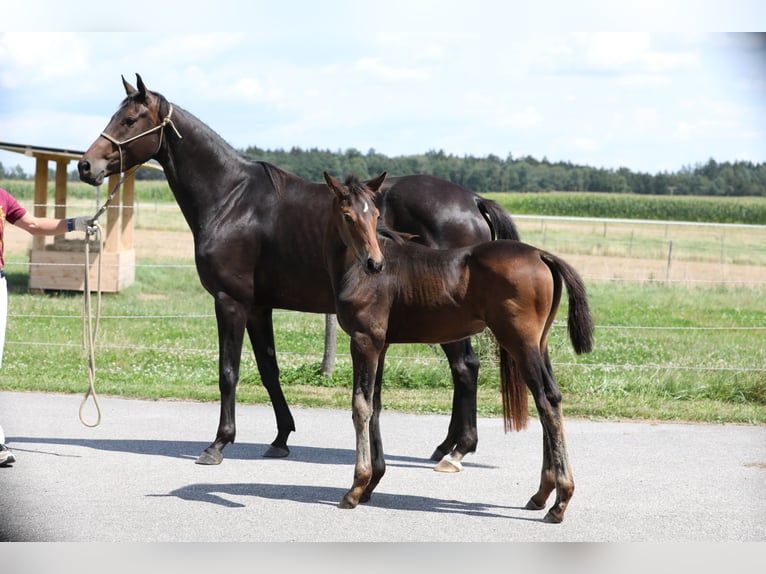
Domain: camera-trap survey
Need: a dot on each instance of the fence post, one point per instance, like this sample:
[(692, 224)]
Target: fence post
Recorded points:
[(670, 260), (328, 358)]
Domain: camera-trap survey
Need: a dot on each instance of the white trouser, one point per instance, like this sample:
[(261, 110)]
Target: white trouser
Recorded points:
[(3, 315)]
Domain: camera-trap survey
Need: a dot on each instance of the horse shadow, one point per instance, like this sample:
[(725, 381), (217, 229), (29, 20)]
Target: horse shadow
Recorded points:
[(325, 495), (225, 495), (238, 451)]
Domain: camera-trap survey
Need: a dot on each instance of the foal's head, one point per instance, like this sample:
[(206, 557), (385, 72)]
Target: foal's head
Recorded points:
[(356, 218)]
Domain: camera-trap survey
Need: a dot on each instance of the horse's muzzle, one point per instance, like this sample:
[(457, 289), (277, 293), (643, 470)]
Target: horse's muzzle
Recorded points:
[(87, 174), (373, 267)]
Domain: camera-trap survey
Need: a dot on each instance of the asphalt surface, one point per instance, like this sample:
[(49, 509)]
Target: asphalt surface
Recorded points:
[(133, 479)]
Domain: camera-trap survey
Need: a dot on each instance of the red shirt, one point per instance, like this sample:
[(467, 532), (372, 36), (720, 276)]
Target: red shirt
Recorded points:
[(11, 211)]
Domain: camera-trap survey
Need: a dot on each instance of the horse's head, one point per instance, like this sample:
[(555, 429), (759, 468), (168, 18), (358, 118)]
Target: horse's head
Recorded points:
[(132, 137), (356, 218)]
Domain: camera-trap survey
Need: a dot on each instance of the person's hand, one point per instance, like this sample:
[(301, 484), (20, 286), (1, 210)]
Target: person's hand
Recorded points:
[(84, 223)]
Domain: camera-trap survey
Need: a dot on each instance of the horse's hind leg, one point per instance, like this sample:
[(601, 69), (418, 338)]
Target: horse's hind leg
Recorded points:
[(547, 475), (462, 436), (261, 331), (547, 478), (556, 472)]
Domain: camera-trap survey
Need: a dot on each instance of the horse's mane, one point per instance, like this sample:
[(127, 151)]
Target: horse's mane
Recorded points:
[(396, 236)]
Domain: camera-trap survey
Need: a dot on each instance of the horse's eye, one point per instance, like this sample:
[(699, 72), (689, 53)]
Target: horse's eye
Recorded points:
[(130, 121), (347, 218)]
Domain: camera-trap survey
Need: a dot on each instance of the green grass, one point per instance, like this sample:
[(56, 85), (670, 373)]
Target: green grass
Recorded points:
[(748, 210), (662, 352), (699, 243)]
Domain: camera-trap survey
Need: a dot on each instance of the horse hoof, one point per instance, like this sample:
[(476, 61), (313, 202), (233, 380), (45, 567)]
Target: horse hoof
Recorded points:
[(532, 505), (346, 503), (276, 452), (210, 457), (438, 454), (553, 518), (449, 464)]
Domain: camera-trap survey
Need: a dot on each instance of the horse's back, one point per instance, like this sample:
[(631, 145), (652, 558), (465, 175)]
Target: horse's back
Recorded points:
[(438, 212), (507, 266)]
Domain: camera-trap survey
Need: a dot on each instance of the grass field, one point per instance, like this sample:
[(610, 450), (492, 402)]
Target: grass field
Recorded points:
[(665, 350)]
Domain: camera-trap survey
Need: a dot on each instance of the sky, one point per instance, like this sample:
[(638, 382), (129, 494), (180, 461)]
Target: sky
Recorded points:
[(668, 85)]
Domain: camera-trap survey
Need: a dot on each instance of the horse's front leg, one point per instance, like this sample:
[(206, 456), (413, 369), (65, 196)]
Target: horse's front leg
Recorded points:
[(260, 328), (376, 440), (364, 355), (231, 318)]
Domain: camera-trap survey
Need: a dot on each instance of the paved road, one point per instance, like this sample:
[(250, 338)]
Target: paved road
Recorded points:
[(133, 479)]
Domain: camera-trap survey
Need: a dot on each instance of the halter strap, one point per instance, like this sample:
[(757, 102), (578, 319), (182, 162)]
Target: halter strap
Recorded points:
[(161, 127)]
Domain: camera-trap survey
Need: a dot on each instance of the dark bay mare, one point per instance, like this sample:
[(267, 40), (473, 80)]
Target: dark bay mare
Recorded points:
[(389, 290), (258, 234)]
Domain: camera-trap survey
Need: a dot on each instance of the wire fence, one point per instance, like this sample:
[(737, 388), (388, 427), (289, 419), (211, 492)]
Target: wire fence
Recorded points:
[(736, 253), (211, 351)]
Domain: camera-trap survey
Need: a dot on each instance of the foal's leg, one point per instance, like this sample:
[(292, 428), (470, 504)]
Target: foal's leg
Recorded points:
[(548, 474), (364, 355), (556, 471), (376, 441), (260, 328), (231, 317), (547, 477), (462, 436)]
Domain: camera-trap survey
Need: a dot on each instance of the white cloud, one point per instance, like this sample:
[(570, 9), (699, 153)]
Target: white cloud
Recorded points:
[(377, 69), (35, 59)]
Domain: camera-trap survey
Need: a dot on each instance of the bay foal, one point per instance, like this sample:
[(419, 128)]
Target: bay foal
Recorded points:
[(391, 290)]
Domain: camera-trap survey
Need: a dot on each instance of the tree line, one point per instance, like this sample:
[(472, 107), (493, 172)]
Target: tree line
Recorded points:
[(494, 174)]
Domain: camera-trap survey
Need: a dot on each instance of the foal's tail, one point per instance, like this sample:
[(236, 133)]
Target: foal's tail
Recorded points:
[(580, 327), (580, 320)]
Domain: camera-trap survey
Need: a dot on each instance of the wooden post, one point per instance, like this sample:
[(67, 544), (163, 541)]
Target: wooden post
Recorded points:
[(330, 333), (670, 262), (59, 210), (113, 218), (128, 193), (41, 197)]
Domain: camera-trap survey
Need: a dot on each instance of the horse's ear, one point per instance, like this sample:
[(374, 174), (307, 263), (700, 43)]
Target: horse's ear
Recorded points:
[(129, 90), (141, 86), (374, 184), (335, 186)]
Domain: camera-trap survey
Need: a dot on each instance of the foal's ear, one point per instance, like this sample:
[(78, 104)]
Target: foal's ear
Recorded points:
[(374, 184), (335, 186), (129, 90)]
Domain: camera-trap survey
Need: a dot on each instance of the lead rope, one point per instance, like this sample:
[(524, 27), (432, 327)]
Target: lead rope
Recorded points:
[(89, 323), (89, 327)]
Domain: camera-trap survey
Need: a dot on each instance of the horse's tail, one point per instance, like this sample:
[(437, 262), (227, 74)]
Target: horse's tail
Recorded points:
[(514, 392), (580, 325), (580, 320), (500, 223)]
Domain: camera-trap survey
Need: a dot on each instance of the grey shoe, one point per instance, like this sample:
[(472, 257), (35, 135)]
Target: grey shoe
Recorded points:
[(6, 456)]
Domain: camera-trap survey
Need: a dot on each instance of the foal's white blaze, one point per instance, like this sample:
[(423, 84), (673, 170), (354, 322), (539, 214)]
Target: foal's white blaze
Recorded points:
[(366, 208)]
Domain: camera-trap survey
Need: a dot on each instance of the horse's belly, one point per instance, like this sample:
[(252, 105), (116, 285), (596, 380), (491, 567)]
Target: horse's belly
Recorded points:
[(435, 327)]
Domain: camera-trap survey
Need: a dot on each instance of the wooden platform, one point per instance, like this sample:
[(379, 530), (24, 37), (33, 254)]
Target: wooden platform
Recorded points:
[(65, 270), (61, 265)]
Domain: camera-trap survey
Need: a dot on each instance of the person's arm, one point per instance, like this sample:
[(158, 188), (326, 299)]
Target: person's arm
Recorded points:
[(50, 225)]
